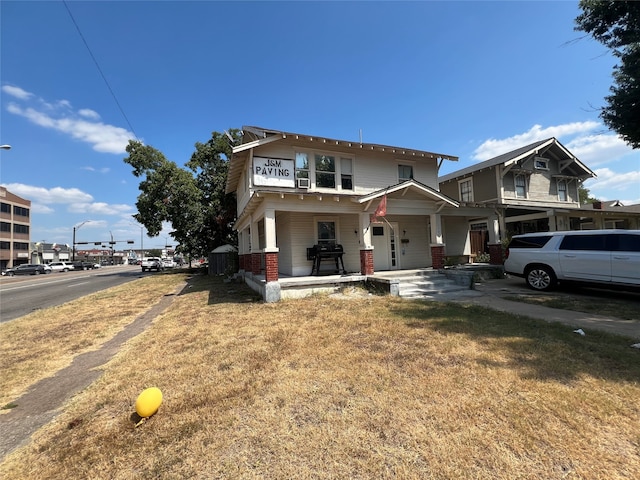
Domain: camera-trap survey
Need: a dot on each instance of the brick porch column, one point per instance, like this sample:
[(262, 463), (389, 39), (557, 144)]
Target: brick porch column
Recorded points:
[(256, 263), (241, 262), (366, 262), (495, 254), (271, 266), (437, 255)]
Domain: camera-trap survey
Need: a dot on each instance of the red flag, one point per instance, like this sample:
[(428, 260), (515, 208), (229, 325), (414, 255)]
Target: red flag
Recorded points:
[(381, 211)]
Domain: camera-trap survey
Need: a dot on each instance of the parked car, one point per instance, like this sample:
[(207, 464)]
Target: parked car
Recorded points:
[(84, 265), (47, 268), (61, 266), (598, 257), (25, 269)]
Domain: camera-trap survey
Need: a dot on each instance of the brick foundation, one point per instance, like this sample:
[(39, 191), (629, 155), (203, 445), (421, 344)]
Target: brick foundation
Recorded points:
[(271, 267), (256, 263), (495, 254), (366, 262), (437, 256)]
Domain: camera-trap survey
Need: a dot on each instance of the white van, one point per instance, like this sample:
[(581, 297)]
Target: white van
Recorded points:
[(599, 257)]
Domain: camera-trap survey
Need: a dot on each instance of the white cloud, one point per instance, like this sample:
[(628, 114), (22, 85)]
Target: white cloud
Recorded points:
[(88, 113), (594, 150), (16, 92), (83, 125), (101, 170), (76, 200), (494, 147), (613, 181), (49, 195), (100, 208)]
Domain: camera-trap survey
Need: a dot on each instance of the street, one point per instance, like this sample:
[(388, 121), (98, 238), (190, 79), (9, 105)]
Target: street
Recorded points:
[(22, 295)]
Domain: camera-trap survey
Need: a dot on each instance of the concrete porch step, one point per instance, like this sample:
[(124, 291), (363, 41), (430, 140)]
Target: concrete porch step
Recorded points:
[(420, 285)]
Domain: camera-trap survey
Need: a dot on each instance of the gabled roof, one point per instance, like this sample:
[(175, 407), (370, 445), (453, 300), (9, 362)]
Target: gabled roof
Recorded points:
[(578, 169), (253, 137), (410, 185)]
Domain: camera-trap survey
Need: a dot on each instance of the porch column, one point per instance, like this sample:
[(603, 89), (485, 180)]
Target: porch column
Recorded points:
[(494, 229), (270, 250), (256, 255), (366, 249), (437, 243)]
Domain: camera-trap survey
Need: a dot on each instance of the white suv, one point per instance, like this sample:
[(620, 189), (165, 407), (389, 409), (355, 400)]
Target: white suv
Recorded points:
[(602, 257)]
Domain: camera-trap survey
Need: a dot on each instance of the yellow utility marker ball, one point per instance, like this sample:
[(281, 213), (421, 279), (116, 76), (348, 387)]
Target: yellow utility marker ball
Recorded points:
[(148, 402)]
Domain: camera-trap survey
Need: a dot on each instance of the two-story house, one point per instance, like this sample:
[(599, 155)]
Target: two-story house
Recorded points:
[(296, 192), (533, 188)]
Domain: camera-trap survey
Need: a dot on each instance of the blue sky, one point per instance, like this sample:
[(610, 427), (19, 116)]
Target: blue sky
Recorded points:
[(473, 79)]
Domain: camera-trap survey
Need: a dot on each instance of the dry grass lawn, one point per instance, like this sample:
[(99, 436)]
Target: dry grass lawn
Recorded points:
[(360, 387)]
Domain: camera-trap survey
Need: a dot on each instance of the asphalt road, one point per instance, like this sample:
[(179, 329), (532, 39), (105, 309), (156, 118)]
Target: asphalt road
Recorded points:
[(24, 294)]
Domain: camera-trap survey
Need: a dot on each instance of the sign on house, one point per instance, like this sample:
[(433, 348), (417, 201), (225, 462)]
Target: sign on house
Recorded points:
[(273, 172)]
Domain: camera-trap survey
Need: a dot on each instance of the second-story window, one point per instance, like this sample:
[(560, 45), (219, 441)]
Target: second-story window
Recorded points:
[(302, 165), (17, 228), (466, 190), (562, 190), (346, 173), (521, 186), (20, 211), (405, 172), (5, 208), (325, 171)]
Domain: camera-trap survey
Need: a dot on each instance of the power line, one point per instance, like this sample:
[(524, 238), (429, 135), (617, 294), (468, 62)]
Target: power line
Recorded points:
[(100, 70)]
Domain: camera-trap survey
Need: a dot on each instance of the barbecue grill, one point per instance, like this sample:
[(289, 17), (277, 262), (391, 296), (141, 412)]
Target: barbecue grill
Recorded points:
[(326, 251)]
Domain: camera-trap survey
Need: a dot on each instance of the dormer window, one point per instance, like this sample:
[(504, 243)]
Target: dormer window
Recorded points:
[(405, 172), (540, 163)]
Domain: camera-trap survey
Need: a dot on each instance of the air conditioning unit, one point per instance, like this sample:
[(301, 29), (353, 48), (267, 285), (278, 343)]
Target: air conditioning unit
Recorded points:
[(303, 183)]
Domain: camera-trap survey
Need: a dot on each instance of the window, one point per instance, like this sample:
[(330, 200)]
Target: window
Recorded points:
[(584, 242), (521, 186), (405, 172), (17, 228), (562, 190), (377, 231), (346, 173), (5, 227), (541, 163), (466, 190), (325, 171), (625, 242), (5, 245), (327, 233), (20, 246), (20, 211), (302, 165), (5, 208)]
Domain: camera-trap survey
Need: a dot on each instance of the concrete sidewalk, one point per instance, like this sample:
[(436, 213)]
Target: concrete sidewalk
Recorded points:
[(492, 293)]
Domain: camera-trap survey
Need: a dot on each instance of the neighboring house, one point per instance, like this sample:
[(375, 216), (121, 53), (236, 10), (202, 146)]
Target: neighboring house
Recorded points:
[(295, 192), (532, 189)]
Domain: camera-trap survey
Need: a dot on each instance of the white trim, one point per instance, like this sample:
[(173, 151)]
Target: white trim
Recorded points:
[(465, 180)]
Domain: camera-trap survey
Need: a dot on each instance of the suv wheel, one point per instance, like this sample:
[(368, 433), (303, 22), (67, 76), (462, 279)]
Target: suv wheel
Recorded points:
[(540, 277)]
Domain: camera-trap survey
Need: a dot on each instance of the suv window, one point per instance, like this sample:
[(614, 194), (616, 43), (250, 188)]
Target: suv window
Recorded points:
[(530, 242), (623, 242), (584, 242)]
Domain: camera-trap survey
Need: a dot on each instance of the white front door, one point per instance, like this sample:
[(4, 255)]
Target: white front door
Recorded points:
[(385, 246)]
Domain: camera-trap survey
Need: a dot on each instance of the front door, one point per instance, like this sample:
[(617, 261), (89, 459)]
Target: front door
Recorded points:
[(385, 251)]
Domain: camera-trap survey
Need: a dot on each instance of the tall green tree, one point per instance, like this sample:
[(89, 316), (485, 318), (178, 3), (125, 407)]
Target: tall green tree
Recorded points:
[(585, 196), (192, 199), (616, 24)]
